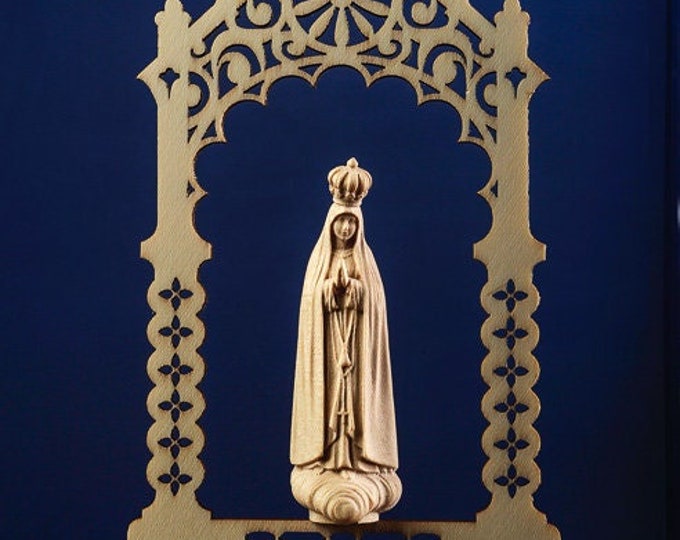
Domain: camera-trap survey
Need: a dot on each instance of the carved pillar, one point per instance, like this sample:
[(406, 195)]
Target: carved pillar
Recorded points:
[(510, 253), (176, 251)]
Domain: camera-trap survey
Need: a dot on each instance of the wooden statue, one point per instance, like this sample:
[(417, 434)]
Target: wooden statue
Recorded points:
[(343, 437)]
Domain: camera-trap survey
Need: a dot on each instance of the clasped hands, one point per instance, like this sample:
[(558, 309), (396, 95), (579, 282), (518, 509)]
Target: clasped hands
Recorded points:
[(342, 291)]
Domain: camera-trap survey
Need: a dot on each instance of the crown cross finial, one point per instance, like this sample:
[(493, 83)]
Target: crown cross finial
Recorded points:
[(349, 183)]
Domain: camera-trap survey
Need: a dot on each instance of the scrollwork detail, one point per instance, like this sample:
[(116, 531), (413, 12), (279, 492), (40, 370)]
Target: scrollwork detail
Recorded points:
[(260, 14), (198, 93), (239, 67), (424, 12), (378, 39)]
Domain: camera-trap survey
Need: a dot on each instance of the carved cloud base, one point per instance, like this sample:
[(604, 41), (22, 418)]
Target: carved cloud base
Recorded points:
[(347, 497)]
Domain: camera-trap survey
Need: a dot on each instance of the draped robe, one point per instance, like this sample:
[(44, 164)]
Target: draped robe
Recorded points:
[(343, 410)]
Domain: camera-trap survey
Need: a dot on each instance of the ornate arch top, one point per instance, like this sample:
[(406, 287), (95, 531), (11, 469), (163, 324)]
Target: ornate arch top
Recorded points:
[(445, 49)]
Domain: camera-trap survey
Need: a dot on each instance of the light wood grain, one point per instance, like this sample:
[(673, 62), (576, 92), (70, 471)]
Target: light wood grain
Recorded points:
[(206, 67)]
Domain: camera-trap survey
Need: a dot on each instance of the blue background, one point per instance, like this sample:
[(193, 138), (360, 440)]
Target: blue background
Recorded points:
[(79, 195)]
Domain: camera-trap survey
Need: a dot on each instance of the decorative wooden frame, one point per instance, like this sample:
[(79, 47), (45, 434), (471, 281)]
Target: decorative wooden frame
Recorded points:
[(235, 52)]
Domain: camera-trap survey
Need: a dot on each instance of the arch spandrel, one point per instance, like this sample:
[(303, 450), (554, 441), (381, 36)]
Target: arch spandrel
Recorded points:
[(447, 51)]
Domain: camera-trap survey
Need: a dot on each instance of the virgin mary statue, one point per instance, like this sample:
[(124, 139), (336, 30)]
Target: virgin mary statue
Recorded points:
[(343, 436)]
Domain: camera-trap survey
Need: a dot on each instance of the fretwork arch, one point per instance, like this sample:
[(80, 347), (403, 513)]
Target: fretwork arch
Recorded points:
[(447, 51)]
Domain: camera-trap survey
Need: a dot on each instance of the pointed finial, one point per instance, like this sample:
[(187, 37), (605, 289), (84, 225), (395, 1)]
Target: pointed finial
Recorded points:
[(173, 5), (512, 18), (512, 5), (173, 15)]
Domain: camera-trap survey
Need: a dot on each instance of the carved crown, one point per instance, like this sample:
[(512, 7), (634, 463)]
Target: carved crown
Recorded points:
[(349, 183)]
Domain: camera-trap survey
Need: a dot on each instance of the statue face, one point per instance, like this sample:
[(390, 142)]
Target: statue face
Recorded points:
[(345, 227)]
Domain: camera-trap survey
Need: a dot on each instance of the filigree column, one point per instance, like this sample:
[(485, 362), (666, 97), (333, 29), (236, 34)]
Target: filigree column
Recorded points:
[(176, 251), (510, 253)]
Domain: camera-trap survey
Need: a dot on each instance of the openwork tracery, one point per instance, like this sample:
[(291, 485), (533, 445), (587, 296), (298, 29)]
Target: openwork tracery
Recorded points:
[(446, 51)]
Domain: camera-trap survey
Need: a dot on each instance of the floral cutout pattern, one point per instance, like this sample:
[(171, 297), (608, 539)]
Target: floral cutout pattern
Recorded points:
[(175, 369), (511, 370), (175, 406), (512, 480), (510, 295), (175, 478), (175, 331), (346, 12), (511, 333), (511, 444), (175, 442), (175, 294), (511, 407)]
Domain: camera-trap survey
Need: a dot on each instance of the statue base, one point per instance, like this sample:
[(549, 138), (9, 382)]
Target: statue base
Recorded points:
[(323, 520), (344, 497)]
